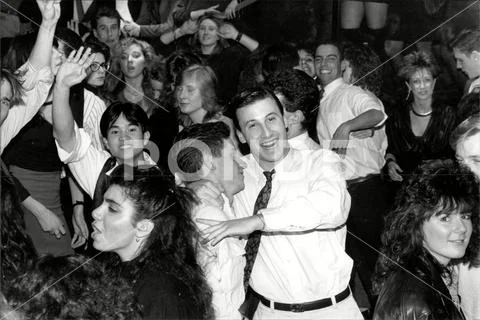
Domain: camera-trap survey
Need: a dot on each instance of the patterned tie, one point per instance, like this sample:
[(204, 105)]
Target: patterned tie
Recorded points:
[(103, 182), (253, 242)]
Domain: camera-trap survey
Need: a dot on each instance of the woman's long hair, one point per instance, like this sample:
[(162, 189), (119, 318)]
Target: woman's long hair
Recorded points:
[(172, 245), (17, 251), (436, 187), (115, 80)]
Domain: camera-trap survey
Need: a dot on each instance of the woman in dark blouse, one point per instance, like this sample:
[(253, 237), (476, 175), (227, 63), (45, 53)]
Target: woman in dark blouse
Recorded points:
[(419, 129), (145, 220)]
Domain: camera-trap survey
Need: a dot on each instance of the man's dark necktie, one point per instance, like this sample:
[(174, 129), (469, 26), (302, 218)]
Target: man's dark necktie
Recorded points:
[(253, 242), (103, 182)]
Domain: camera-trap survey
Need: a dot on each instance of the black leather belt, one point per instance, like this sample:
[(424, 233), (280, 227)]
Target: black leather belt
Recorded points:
[(352, 182), (307, 306)]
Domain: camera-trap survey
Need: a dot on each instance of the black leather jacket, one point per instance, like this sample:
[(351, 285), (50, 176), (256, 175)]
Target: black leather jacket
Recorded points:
[(419, 295)]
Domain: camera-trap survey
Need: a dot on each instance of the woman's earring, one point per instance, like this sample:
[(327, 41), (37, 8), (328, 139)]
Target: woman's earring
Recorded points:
[(408, 95)]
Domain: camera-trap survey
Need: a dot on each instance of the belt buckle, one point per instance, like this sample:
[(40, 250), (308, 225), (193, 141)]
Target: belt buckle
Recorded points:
[(298, 307)]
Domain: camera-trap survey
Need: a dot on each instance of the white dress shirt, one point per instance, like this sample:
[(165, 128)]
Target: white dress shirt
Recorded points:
[(475, 85), (342, 102), (86, 162), (36, 85), (303, 142), (469, 291), (297, 261), (222, 264), (93, 109)]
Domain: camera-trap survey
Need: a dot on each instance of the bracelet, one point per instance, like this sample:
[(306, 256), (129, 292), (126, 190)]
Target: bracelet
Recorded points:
[(77, 203), (239, 37)]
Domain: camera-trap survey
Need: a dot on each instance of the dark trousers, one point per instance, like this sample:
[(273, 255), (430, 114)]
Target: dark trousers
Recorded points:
[(370, 202)]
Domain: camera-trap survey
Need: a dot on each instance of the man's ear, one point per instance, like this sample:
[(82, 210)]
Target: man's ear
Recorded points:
[(146, 137), (105, 143), (241, 137), (144, 228), (475, 56), (95, 33)]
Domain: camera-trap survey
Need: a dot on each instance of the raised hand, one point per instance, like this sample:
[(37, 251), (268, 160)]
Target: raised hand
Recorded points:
[(194, 15), (73, 70), (50, 10), (189, 27), (228, 31), (230, 12), (132, 29)]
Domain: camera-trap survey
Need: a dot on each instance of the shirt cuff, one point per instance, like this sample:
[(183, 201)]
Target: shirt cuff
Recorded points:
[(82, 143)]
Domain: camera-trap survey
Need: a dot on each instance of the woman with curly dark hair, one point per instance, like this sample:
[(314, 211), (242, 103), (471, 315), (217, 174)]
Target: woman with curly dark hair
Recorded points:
[(145, 220), (433, 227), (419, 129), (361, 67), (71, 287)]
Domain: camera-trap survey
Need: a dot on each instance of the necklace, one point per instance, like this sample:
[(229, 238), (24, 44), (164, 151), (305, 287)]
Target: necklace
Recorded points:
[(426, 114)]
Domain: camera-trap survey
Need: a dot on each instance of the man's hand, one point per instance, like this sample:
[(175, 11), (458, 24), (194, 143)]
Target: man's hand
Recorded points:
[(230, 12), (228, 31), (132, 29), (219, 230), (208, 192), (363, 134), (340, 139), (50, 222), (50, 10), (73, 71), (189, 27), (79, 226), (194, 15), (394, 171)]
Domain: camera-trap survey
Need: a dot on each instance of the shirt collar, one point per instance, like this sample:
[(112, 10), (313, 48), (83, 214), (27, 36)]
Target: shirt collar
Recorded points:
[(280, 167), (332, 86)]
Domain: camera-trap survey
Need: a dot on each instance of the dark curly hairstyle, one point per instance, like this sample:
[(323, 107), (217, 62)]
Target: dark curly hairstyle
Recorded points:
[(364, 62), (299, 89), (72, 287), (172, 245), (16, 248), (436, 187)]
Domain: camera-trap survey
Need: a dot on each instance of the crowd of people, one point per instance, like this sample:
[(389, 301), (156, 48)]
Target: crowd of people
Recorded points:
[(230, 179)]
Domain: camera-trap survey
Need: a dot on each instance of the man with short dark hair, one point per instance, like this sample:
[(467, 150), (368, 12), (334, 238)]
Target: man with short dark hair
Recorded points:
[(299, 96), (294, 207), (466, 49), (344, 110), (206, 151), (106, 28)]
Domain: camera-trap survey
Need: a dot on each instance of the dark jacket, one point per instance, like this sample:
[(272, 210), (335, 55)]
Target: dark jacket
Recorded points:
[(419, 295)]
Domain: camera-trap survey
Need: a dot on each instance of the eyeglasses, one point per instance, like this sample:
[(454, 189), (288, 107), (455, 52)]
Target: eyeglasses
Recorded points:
[(95, 66)]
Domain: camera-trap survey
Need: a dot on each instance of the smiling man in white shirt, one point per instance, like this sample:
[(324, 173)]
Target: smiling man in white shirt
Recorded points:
[(301, 270)]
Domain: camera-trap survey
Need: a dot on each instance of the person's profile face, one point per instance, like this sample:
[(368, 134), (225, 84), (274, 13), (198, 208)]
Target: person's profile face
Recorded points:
[(467, 63), (6, 95), (157, 87), (468, 153), (189, 97), (113, 227), (327, 63), (306, 62), (263, 128)]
